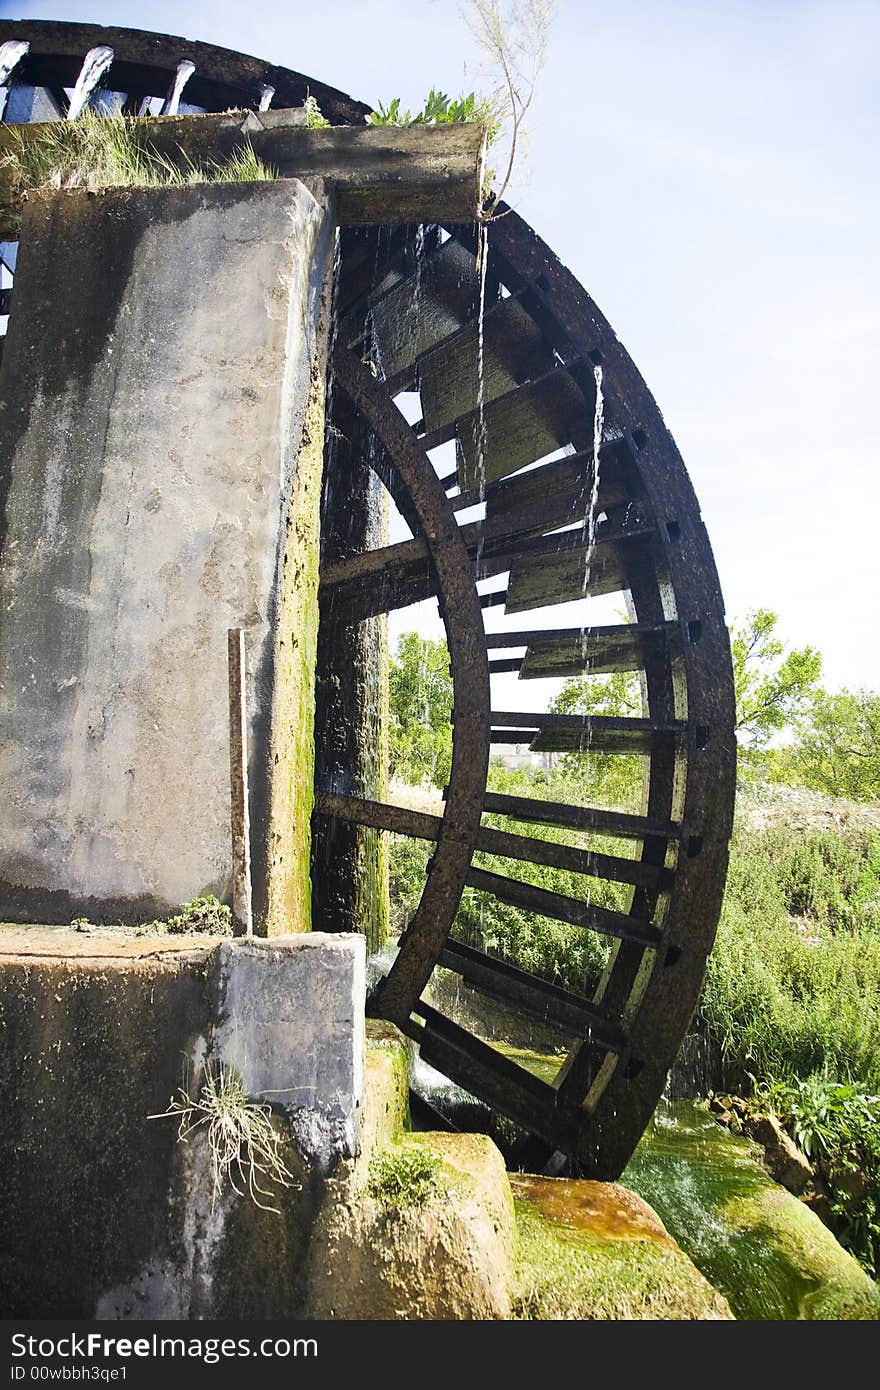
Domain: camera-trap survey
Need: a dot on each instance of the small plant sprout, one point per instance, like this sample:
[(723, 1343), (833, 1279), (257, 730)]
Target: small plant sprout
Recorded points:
[(245, 1148), (513, 34), (404, 1176), (315, 118)]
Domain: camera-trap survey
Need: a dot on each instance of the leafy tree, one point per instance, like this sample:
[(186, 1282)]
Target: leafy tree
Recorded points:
[(420, 685), (618, 694), (838, 746), (772, 686), (613, 778)]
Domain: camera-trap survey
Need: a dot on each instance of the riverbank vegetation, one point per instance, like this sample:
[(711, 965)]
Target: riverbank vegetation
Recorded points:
[(791, 1004)]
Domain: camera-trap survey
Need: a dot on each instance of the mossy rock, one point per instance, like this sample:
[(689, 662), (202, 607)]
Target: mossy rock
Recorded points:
[(442, 1249), (832, 1284), (767, 1251), (589, 1250), (385, 1106)]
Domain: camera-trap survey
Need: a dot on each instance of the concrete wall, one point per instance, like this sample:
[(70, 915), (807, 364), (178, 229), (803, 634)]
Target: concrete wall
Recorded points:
[(104, 1212), (162, 397)]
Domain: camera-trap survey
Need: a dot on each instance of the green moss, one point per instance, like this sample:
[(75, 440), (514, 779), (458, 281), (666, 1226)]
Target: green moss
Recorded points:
[(770, 1255), (386, 1085), (562, 1273), (289, 901), (780, 1228)]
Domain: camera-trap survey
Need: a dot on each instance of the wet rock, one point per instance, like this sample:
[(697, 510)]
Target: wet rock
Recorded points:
[(833, 1287), (761, 1246), (785, 1161), (595, 1250)]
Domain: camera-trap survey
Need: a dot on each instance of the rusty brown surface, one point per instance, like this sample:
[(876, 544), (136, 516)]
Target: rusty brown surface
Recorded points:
[(427, 931)]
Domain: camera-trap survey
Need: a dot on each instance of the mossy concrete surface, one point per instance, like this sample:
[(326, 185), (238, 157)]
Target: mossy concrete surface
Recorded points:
[(385, 1106), (447, 1254), (162, 396), (104, 1211), (596, 1251), (350, 862), (91, 1044)]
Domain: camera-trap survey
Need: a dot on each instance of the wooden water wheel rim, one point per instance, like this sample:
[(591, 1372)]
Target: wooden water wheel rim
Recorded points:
[(430, 924), (603, 1097)]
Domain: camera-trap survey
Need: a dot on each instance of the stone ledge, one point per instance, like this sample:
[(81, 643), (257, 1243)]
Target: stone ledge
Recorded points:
[(290, 1019)]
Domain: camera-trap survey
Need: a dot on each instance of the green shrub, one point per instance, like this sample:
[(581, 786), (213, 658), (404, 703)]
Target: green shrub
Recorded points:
[(206, 914), (439, 109), (827, 877), (837, 1125), (793, 983)]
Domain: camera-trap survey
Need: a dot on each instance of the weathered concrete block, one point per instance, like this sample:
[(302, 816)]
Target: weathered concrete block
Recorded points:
[(96, 1034), (105, 1211), (290, 1019), (446, 1255), (161, 396)]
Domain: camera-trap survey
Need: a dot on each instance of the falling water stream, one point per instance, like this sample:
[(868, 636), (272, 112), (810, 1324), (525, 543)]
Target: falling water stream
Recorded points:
[(185, 70), (11, 53), (95, 64)]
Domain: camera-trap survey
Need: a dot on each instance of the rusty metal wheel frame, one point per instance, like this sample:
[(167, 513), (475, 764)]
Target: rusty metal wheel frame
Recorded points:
[(631, 1031)]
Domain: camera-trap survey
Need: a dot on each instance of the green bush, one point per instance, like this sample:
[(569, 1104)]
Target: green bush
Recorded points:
[(826, 877), (793, 983), (838, 1127)]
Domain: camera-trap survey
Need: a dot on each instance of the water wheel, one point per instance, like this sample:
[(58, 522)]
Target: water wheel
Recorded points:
[(506, 358)]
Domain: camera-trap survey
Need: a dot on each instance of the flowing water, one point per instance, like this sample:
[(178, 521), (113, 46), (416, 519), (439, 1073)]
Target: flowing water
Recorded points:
[(185, 70), (11, 52), (95, 64), (483, 262), (703, 1182), (593, 512)]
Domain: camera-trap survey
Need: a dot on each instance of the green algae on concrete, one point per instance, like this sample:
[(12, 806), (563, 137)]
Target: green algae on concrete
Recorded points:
[(589, 1250), (769, 1254), (385, 1107), (447, 1255)]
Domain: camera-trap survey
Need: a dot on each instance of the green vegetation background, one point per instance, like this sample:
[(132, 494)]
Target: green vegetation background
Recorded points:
[(791, 999)]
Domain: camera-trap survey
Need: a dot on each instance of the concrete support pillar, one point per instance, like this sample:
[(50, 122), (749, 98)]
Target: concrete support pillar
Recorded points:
[(161, 397)]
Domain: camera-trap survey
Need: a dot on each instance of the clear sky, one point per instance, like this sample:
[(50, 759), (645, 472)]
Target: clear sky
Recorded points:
[(708, 170)]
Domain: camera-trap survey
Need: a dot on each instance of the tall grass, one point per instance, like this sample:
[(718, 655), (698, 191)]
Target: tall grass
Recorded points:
[(793, 984), (95, 152)]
